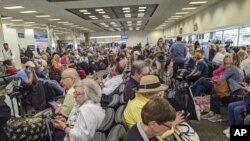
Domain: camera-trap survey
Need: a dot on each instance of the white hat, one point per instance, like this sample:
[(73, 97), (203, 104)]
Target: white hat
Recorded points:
[(137, 53), (30, 64)]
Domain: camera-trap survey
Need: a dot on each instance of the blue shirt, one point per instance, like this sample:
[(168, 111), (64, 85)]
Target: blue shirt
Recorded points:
[(23, 74), (179, 52)]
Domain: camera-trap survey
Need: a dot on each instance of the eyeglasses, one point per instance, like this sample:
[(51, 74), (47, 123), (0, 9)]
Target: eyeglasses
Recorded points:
[(77, 94), (166, 125)]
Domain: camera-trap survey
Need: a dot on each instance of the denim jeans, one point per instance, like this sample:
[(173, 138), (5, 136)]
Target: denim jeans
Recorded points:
[(235, 111), (202, 85), (54, 84)]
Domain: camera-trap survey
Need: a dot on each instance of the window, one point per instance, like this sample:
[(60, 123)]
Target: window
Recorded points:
[(244, 37)]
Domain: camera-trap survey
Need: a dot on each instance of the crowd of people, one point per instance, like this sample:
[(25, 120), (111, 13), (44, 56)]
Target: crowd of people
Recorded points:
[(147, 72)]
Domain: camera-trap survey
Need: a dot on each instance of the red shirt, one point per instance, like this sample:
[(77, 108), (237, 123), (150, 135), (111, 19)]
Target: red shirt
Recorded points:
[(10, 70)]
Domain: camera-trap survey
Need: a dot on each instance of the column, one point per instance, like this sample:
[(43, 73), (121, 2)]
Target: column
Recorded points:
[(74, 37), (86, 35)]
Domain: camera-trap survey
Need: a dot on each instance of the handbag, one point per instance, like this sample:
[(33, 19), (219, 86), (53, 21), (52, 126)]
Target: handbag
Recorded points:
[(203, 102), (185, 132), (221, 88)]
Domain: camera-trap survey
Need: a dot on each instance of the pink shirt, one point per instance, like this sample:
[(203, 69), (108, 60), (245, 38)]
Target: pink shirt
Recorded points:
[(218, 73)]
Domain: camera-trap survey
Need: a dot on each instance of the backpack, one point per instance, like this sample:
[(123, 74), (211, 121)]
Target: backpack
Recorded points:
[(42, 94), (13, 86), (182, 99), (5, 114)]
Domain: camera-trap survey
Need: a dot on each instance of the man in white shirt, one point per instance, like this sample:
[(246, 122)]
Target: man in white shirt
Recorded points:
[(113, 80), (219, 56), (8, 54)]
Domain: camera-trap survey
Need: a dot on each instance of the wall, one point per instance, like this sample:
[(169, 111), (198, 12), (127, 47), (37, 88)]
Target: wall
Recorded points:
[(134, 37), (10, 37), (28, 37), (224, 14)]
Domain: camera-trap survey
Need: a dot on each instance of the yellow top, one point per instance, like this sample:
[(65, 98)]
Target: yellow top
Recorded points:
[(68, 103), (132, 113)]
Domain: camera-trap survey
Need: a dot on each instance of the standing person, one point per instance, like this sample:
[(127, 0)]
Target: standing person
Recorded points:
[(8, 54), (178, 53), (160, 53), (29, 53)]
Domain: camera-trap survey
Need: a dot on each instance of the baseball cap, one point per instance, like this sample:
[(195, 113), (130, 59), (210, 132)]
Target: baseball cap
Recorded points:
[(30, 64)]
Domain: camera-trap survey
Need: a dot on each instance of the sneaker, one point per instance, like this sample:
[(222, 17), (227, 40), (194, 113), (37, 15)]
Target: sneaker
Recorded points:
[(215, 118), (226, 131), (208, 115), (228, 135)]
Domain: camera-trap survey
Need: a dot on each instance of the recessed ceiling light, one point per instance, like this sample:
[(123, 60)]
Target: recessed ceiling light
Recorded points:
[(130, 28), (182, 13), (138, 24), (87, 13), (42, 16), (126, 11), (92, 16), (103, 23), (68, 24), (142, 7), (189, 8), (102, 12), (6, 18), (139, 21), (115, 25), (129, 21), (126, 8), (98, 10), (83, 10), (142, 10), (54, 19), (198, 2), (106, 17), (17, 20), (112, 23), (128, 16), (129, 24), (27, 12), (14, 7)]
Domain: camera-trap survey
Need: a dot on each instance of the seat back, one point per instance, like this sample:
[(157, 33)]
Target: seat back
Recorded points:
[(99, 137), (115, 101), (108, 121), (117, 133)]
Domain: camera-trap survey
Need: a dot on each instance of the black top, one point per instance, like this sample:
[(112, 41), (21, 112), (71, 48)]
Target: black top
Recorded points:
[(129, 91), (134, 134)]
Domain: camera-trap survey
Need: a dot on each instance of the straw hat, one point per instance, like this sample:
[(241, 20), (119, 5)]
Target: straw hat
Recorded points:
[(151, 84)]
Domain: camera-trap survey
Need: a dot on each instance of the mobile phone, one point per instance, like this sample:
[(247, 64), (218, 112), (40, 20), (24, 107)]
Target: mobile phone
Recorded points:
[(54, 104)]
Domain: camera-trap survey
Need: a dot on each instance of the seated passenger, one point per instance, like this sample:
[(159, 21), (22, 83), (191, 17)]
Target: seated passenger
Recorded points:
[(68, 79), (234, 77), (9, 67), (28, 75), (56, 64), (157, 118), (86, 116), (112, 81), (200, 69), (139, 69), (149, 87)]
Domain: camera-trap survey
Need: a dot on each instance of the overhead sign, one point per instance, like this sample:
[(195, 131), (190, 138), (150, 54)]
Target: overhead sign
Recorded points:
[(124, 36)]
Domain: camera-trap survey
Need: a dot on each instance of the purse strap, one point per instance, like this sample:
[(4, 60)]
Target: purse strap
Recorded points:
[(187, 133)]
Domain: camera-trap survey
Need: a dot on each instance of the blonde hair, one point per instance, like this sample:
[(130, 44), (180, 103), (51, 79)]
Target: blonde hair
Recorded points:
[(56, 58)]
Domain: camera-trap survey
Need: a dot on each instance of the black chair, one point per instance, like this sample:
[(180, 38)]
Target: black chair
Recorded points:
[(119, 116), (122, 87), (99, 137), (6, 80), (108, 121), (115, 101), (117, 133)]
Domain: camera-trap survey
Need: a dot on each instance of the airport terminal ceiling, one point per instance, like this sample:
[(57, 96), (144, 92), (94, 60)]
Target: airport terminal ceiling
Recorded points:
[(100, 15)]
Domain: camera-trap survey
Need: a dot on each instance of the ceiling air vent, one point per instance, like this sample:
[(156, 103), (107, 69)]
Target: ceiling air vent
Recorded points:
[(62, 0)]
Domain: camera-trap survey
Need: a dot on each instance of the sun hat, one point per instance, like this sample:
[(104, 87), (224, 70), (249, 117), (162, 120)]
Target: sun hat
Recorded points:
[(151, 84)]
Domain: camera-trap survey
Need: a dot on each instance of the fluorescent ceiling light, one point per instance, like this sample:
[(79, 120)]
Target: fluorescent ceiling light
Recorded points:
[(42, 16), (127, 15), (92, 16), (142, 7), (17, 20), (54, 19), (68, 24), (138, 24), (62, 22), (189, 8), (103, 23), (129, 21), (103, 37), (106, 17), (139, 21), (130, 28), (126, 8), (14, 7), (27, 12), (6, 18), (83, 10), (126, 11), (87, 13), (112, 23), (102, 12), (182, 13), (198, 2), (142, 10), (98, 10), (29, 22)]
